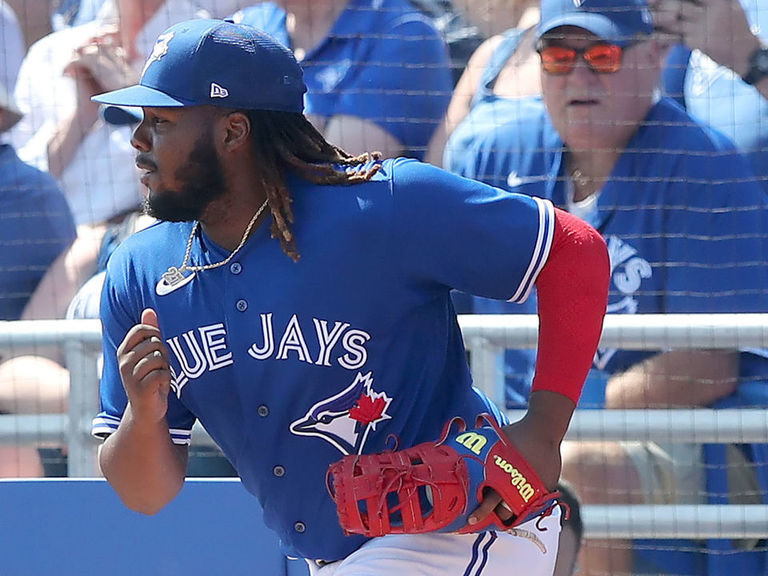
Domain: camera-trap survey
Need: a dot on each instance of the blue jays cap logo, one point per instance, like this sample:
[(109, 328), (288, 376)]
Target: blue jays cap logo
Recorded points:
[(345, 419), (159, 50)]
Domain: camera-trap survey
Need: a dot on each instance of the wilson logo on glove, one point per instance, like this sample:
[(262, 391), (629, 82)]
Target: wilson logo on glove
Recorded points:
[(526, 490), (434, 486)]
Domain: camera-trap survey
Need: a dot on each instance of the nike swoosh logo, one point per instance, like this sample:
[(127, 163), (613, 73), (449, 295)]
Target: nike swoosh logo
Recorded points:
[(162, 288)]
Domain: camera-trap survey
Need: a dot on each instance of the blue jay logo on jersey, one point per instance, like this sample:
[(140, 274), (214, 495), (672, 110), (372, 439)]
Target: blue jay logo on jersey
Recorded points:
[(346, 419)]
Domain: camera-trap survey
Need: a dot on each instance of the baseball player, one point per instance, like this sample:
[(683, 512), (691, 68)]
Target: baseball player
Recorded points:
[(295, 300)]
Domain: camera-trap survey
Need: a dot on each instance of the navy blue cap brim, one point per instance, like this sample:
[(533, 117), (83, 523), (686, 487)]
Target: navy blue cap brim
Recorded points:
[(598, 24), (138, 96)]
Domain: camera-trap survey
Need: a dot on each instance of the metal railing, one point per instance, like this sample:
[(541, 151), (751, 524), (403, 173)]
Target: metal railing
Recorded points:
[(487, 336)]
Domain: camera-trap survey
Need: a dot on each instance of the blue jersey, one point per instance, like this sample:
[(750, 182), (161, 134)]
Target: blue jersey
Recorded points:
[(717, 96), (290, 366), (684, 219), (382, 61)]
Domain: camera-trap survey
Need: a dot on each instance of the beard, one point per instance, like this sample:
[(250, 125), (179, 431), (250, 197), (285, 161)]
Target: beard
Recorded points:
[(202, 182)]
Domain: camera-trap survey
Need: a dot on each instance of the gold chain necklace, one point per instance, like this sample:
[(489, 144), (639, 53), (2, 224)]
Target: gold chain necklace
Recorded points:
[(175, 275)]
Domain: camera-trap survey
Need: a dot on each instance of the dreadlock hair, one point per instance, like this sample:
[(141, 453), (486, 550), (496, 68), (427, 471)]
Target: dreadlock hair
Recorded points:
[(288, 141)]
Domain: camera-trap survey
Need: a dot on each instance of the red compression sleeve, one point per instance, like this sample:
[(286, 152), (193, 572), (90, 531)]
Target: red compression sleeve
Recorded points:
[(572, 292)]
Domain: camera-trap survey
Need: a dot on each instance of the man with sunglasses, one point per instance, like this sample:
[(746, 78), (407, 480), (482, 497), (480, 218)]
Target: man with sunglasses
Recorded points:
[(686, 224)]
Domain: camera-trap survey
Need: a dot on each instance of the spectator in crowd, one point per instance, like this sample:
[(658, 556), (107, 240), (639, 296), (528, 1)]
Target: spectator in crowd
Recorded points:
[(461, 32), (66, 13), (679, 208), (12, 46), (34, 18), (36, 222), (719, 72), (62, 131), (377, 71), (501, 70)]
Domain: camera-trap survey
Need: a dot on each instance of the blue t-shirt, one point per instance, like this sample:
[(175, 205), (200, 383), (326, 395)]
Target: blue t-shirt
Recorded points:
[(685, 221), (382, 61), (717, 96), (290, 366), (36, 225)]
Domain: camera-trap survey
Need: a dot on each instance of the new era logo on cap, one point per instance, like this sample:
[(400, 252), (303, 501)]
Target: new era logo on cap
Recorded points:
[(218, 91)]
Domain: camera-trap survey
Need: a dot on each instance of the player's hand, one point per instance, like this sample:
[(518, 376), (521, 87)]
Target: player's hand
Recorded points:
[(542, 455), (143, 360), (719, 28)]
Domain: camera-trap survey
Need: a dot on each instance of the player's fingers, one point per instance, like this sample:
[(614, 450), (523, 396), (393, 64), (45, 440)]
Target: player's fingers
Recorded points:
[(152, 371), (149, 317), (147, 329), (491, 501), (137, 359)]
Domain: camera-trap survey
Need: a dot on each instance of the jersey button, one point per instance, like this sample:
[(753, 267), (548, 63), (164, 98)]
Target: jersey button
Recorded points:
[(263, 411), (278, 471), (299, 527), (242, 305), (235, 268)]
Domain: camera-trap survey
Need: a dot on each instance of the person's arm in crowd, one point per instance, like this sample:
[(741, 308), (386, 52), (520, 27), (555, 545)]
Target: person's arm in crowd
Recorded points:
[(461, 100), (98, 65), (65, 276), (682, 378), (718, 28), (356, 135)]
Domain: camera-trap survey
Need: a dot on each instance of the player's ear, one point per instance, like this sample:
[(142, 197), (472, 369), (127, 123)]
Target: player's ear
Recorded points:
[(237, 129)]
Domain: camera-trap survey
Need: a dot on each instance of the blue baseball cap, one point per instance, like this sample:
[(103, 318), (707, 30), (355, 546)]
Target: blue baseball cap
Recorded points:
[(217, 63), (615, 21)]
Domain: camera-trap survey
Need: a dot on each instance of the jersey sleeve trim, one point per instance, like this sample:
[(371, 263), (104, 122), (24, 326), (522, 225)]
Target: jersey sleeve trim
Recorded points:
[(105, 425), (540, 251)]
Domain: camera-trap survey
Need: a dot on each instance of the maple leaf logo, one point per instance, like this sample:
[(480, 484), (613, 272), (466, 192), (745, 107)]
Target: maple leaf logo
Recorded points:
[(368, 410), (371, 407)]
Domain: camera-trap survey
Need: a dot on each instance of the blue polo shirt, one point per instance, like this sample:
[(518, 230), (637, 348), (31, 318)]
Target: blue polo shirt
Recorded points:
[(685, 221), (36, 225), (382, 61)]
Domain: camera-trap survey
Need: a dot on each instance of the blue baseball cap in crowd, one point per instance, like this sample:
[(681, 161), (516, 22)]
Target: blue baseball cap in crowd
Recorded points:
[(615, 21), (216, 63)]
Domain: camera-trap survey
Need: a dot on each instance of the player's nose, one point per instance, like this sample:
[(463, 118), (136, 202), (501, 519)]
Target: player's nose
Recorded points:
[(139, 138)]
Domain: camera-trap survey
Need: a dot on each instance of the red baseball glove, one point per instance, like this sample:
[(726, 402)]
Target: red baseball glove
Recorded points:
[(434, 486)]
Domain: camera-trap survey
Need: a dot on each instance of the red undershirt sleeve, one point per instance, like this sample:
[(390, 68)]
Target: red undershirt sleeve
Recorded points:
[(572, 293)]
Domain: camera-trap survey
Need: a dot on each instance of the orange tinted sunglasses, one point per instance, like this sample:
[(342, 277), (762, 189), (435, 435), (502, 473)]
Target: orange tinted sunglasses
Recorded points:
[(601, 58)]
